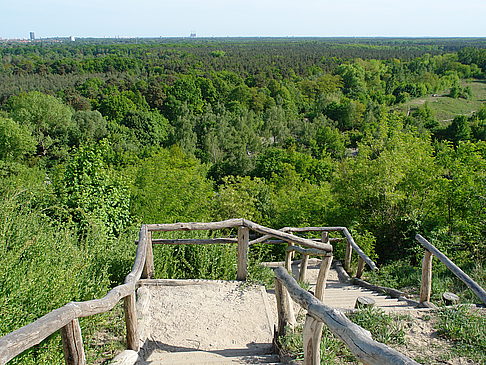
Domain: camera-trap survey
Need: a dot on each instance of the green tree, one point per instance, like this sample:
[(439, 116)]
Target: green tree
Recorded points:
[(16, 140), (48, 118)]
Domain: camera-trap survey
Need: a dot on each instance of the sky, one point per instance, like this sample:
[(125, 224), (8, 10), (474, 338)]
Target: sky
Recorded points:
[(238, 18)]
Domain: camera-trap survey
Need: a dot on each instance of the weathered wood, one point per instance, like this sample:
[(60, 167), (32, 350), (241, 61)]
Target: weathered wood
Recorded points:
[(288, 259), (192, 226), (131, 323), (312, 334), (312, 229), (285, 310), (148, 269), (303, 268), (276, 241), (287, 236), (194, 241), (426, 285), (243, 239), (72, 343), (322, 277), (32, 334), (357, 339), (308, 251), (347, 257), (394, 293), (325, 237), (127, 357), (358, 250), (480, 292), (261, 239), (450, 298), (364, 302), (361, 265)]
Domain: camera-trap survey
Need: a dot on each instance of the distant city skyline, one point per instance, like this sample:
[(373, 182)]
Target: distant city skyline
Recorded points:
[(237, 18)]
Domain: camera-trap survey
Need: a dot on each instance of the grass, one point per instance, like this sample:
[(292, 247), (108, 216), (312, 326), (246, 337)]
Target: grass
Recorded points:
[(386, 328), (466, 329), (446, 108)]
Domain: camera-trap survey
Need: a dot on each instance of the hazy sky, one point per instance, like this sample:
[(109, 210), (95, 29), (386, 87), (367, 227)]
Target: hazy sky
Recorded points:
[(154, 18)]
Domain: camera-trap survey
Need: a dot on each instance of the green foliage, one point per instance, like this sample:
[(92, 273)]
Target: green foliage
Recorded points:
[(169, 187), (44, 266), (47, 117), (385, 188), (90, 127), (465, 327), (16, 140), (385, 328), (94, 194)]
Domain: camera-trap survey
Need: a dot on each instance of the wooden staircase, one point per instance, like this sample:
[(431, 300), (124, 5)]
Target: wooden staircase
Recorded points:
[(226, 322)]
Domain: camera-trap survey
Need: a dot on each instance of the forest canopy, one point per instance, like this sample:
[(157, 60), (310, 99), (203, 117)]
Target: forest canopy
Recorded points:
[(384, 136)]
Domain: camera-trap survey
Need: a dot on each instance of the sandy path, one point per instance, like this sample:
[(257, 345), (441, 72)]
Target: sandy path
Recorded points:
[(215, 316)]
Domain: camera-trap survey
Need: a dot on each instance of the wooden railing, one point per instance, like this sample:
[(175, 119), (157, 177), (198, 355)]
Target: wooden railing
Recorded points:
[(350, 246), (65, 319), (358, 340), (426, 286)]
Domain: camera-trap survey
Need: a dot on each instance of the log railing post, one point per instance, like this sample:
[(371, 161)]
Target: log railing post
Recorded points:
[(243, 243), (426, 286), (312, 340), (361, 265), (148, 269), (72, 343), (288, 260), (285, 309), (347, 256), (322, 276), (131, 323), (303, 267)]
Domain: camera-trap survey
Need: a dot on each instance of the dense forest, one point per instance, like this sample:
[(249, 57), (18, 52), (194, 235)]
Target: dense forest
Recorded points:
[(99, 136)]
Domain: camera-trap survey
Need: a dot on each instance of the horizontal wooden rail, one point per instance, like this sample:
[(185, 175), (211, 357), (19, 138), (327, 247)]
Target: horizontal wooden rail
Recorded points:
[(273, 241), (193, 241), (287, 236), (358, 340), (194, 226), (427, 272), (308, 251)]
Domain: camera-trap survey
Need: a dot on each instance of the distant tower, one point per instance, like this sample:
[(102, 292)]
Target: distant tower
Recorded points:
[(32, 36)]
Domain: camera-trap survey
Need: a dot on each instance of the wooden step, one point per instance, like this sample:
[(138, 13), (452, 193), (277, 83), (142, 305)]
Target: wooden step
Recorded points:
[(221, 357)]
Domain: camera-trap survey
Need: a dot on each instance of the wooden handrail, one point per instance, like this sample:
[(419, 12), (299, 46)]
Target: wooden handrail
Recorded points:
[(287, 236), (65, 318), (351, 245), (358, 340), (30, 335), (425, 288)]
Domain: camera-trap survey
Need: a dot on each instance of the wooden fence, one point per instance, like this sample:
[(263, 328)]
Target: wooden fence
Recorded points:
[(65, 319), (426, 286), (357, 339)]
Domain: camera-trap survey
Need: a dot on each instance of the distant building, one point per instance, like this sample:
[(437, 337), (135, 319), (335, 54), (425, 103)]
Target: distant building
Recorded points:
[(72, 38), (32, 36), (193, 35)]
